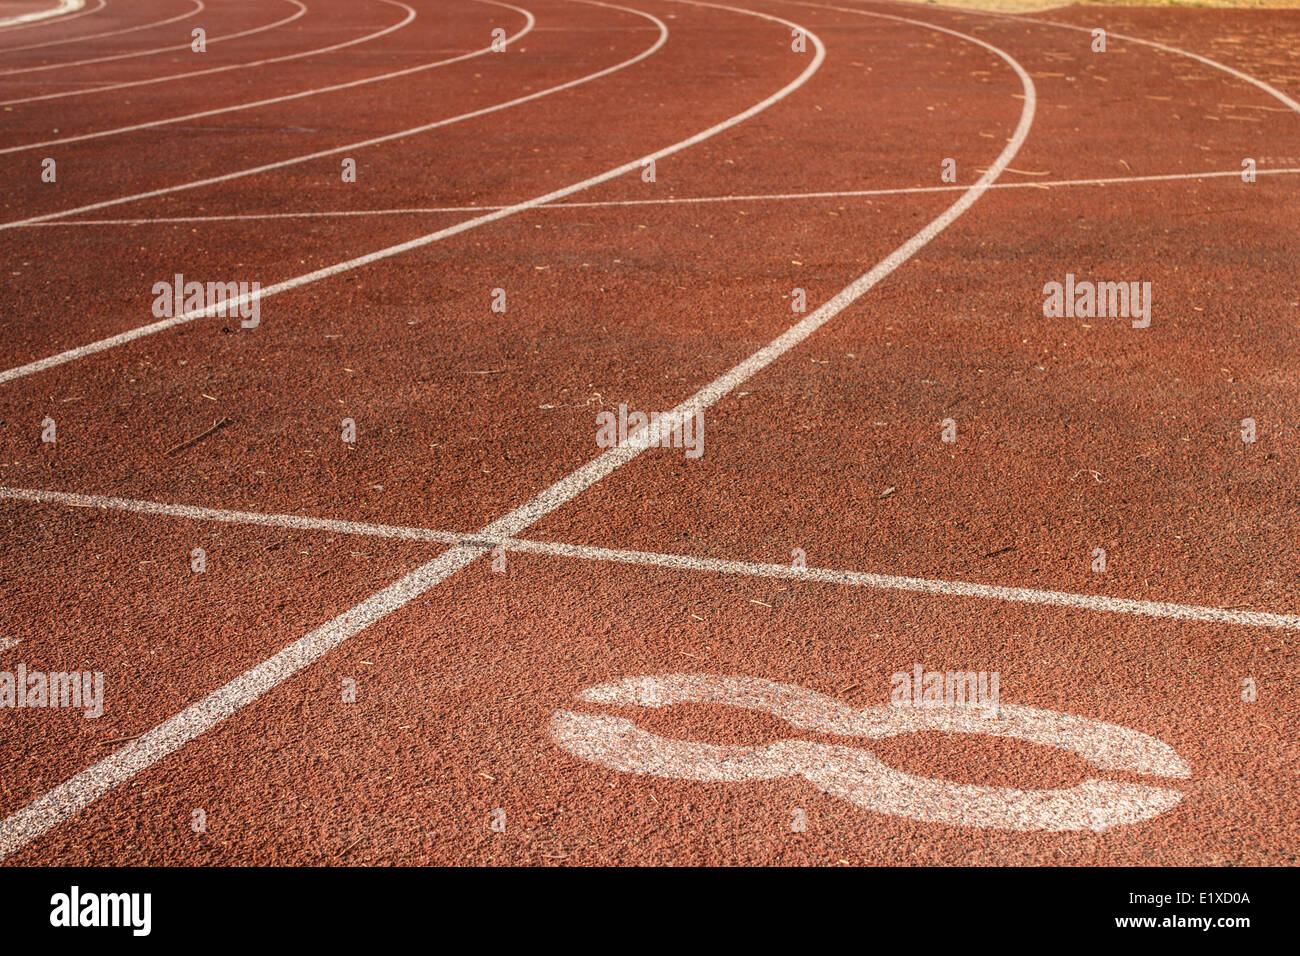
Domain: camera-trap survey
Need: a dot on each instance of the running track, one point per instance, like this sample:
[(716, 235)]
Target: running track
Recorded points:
[(514, 606)]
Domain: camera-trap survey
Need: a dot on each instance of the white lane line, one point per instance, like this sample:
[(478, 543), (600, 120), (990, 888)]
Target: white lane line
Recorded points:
[(171, 77), (23, 20), (273, 100), (198, 8), (163, 49), (678, 562), (410, 15), (390, 251), (374, 141), (70, 797), (197, 513), (1245, 77), (681, 201), (82, 789)]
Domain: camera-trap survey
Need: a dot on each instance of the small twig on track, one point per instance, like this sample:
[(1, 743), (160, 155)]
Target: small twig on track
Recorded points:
[(344, 851), (216, 426)]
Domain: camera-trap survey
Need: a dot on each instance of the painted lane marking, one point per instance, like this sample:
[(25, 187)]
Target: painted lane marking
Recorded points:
[(109, 87), (254, 104), (678, 201), (989, 14), (328, 271), (1098, 603), (198, 8), (51, 809), (23, 21), (82, 789), (390, 251), (859, 777), (376, 140), (166, 49), (1246, 77)]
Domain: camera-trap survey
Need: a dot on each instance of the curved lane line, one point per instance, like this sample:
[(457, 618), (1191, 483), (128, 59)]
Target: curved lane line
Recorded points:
[(1246, 77), (165, 49), (65, 9), (199, 7), (108, 88), (84, 788), (256, 103), (348, 265), (1231, 71), (373, 141), (349, 147)]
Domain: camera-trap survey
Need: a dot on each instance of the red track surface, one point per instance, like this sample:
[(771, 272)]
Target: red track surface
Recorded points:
[(1073, 434)]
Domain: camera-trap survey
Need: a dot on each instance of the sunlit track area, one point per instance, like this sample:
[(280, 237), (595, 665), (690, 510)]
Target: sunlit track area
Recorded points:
[(653, 432)]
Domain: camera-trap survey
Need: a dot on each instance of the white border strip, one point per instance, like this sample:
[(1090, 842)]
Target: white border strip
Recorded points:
[(676, 562), (64, 7)]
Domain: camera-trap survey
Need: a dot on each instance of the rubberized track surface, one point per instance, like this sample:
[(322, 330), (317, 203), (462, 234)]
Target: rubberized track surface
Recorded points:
[(397, 648)]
